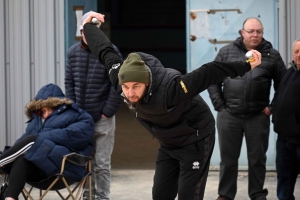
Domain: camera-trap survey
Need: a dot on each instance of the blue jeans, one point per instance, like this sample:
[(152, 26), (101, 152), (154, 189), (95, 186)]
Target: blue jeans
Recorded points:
[(287, 166), (104, 138)]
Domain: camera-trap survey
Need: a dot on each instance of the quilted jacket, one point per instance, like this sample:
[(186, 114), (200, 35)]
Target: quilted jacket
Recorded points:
[(68, 129), (87, 83), (249, 94)]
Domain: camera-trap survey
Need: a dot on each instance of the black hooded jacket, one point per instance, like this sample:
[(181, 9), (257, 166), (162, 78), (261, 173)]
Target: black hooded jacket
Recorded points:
[(249, 94), (172, 109)]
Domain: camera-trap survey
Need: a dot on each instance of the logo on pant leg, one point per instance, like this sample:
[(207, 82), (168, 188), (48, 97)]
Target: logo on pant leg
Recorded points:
[(196, 165)]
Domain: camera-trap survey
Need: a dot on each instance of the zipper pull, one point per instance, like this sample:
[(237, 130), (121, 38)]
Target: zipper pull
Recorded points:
[(136, 114), (197, 134)]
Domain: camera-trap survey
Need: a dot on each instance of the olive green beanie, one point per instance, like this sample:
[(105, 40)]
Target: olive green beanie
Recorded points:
[(133, 70)]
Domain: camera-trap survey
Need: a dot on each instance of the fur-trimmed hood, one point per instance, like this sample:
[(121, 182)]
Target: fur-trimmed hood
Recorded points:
[(48, 96), (67, 129)]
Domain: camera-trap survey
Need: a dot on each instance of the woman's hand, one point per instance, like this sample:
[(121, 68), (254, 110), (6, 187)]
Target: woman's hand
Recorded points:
[(257, 59), (92, 15), (103, 116)]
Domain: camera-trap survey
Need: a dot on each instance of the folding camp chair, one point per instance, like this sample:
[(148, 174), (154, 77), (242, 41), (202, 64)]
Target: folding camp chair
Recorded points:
[(61, 181)]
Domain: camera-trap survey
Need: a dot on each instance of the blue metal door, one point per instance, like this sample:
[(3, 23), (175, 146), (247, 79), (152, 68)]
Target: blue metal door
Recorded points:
[(213, 24)]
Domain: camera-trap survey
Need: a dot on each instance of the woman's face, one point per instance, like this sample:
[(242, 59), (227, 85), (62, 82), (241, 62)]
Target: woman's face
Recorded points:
[(46, 111)]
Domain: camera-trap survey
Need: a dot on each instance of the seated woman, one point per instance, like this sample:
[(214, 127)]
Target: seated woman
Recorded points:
[(22, 145), (56, 127)]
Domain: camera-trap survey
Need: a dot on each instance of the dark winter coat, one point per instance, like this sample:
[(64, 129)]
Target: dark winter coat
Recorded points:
[(286, 114), (87, 83), (68, 129), (249, 94), (171, 109)]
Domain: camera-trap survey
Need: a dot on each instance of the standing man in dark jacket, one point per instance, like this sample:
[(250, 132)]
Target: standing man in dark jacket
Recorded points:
[(88, 85), (169, 106), (243, 110), (286, 119)]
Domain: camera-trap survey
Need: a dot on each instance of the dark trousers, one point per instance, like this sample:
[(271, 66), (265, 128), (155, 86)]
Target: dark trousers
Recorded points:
[(183, 171), (231, 130), (22, 171), (287, 166), (18, 149)]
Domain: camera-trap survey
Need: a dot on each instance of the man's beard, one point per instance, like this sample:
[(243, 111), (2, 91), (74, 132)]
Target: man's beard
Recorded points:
[(133, 105)]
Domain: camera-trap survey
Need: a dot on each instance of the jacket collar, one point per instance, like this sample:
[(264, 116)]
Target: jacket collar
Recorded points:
[(263, 45), (294, 66), (85, 46)]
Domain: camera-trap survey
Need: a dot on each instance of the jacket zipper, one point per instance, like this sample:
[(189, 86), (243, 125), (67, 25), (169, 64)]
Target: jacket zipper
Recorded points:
[(85, 81), (138, 113), (153, 130)]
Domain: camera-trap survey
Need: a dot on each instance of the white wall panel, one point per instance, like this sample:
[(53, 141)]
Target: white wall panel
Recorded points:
[(44, 43), (17, 68), (3, 126), (33, 37), (289, 29), (60, 43)]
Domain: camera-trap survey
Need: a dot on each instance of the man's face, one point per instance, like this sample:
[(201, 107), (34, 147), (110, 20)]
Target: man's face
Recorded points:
[(83, 37), (296, 54), (252, 33), (134, 91)]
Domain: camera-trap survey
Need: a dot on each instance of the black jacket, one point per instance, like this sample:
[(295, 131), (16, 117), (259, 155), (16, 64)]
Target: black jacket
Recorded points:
[(286, 113), (175, 116), (249, 94), (87, 84)]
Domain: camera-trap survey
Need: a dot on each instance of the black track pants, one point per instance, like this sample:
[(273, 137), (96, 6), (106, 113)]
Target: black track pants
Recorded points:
[(183, 171), (19, 148)]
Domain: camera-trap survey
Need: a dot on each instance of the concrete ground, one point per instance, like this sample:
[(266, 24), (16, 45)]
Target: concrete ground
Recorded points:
[(133, 162), (136, 184)]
